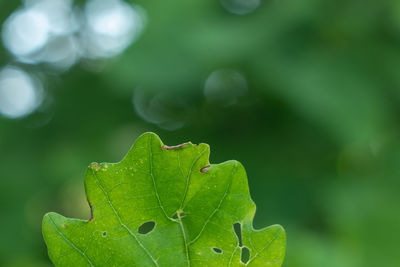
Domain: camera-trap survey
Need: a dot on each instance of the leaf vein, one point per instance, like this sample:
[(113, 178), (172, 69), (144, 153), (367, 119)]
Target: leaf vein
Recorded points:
[(70, 243), (189, 175), (153, 179), (217, 208), (266, 246), (120, 220)]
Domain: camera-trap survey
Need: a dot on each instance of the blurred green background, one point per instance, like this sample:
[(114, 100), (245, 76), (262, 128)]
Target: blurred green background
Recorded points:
[(306, 94)]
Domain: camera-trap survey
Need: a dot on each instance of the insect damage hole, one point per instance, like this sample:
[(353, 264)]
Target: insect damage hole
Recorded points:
[(245, 255), (217, 250), (104, 234), (146, 227), (237, 227)]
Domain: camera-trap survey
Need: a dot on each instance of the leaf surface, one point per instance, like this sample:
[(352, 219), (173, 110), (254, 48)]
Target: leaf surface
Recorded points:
[(165, 206)]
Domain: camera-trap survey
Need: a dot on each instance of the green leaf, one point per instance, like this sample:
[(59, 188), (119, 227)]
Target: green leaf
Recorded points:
[(165, 206)]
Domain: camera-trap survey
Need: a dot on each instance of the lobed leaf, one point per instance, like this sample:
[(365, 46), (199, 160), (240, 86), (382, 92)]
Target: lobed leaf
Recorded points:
[(165, 206)]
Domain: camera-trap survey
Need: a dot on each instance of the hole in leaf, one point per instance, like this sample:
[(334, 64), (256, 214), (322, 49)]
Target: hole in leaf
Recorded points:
[(238, 231), (146, 227), (245, 256), (217, 250), (104, 234)]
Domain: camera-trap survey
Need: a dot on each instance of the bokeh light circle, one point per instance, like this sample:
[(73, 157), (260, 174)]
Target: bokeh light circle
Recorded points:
[(240, 7), (20, 94), (111, 26), (224, 87), (25, 32)]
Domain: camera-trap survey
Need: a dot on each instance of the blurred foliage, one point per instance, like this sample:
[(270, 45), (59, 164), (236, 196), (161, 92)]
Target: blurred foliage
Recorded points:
[(318, 129)]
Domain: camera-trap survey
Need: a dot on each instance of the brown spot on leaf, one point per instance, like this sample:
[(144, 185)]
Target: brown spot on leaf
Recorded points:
[(95, 166), (174, 147), (205, 169), (91, 211)]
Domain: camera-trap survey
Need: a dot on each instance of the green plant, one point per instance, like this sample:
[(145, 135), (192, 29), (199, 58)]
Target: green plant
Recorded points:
[(165, 206)]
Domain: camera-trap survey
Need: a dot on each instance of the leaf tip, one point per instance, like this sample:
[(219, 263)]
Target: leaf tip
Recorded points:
[(278, 229), (48, 221), (148, 135), (49, 215)]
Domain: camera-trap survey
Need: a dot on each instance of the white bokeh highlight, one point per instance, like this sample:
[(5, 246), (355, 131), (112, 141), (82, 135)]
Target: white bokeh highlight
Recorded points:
[(111, 26), (20, 94), (59, 14), (25, 32), (58, 34)]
